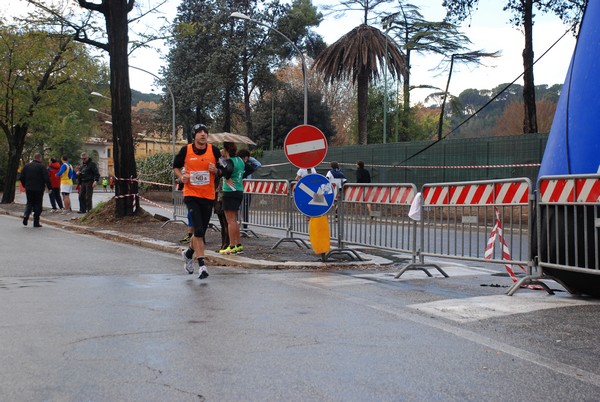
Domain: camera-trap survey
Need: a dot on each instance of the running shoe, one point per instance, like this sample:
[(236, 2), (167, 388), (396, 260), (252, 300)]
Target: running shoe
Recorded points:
[(203, 272), (186, 239), (188, 263), (228, 250)]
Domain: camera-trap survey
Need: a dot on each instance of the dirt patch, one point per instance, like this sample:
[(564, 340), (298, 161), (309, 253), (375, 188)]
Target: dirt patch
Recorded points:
[(141, 223)]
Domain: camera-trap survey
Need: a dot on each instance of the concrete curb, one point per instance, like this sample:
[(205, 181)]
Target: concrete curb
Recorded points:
[(211, 256)]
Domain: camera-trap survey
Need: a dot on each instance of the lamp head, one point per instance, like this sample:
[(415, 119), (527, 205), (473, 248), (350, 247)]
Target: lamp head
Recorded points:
[(239, 15)]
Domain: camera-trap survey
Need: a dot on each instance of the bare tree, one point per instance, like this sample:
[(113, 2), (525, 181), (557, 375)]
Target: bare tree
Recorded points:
[(470, 57), (415, 34), (570, 11)]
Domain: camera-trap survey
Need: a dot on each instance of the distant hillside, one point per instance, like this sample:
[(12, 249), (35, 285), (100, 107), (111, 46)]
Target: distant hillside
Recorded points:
[(137, 96)]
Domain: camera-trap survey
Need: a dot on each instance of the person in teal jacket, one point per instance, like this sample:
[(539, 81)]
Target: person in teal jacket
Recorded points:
[(233, 193)]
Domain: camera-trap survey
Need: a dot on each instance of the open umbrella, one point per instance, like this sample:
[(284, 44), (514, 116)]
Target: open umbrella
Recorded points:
[(229, 137)]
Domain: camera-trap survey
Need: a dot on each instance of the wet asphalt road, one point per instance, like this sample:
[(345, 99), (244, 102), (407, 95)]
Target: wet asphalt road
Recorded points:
[(84, 319)]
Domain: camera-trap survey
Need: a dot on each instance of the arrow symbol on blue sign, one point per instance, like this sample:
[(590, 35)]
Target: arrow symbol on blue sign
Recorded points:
[(317, 198)]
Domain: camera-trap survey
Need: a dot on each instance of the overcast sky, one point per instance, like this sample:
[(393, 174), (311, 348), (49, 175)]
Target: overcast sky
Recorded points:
[(489, 30)]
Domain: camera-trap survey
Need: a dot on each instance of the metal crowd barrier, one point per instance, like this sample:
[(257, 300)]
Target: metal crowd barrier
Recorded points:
[(568, 230), (488, 221), (267, 204), (376, 215), (179, 208), (462, 220)]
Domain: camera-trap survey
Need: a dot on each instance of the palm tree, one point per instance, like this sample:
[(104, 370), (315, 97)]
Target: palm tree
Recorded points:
[(357, 56)]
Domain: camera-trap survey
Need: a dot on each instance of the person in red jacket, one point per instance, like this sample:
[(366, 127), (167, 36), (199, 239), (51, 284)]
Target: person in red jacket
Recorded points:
[(55, 198)]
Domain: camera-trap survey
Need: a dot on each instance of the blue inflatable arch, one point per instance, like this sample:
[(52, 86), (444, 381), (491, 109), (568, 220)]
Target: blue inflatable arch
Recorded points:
[(574, 142)]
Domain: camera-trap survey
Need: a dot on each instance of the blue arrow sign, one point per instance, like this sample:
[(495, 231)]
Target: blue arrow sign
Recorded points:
[(313, 195)]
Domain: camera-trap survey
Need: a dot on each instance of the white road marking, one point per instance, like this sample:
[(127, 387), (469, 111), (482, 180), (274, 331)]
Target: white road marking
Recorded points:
[(483, 307)]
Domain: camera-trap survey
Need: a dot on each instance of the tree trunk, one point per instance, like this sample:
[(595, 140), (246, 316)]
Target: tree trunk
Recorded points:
[(126, 188), (16, 142), (363, 106), (441, 120), (530, 116)]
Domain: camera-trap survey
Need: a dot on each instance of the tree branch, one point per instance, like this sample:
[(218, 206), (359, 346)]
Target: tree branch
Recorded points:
[(92, 6)]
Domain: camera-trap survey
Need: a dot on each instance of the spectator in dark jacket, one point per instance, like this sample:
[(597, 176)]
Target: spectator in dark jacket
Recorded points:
[(34, 177), (362, 174), (55, 198), (88, 178)]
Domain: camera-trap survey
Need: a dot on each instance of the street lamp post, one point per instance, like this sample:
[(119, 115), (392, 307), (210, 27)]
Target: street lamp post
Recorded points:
[(245, 17), (385, 92)]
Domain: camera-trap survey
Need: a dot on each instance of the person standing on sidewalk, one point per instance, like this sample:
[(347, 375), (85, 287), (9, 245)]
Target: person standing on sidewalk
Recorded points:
[(55, 199), (363, 176), (255, 164), (66, 174), (304, 172), (88, 178), (199, 159), (233, 193), (34, 177)]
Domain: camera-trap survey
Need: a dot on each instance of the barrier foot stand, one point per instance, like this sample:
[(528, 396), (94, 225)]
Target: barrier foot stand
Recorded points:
[(347, 251), (528, 280), (214, 227), (420, 267), (172, 220), (247, 232), (291, 240)]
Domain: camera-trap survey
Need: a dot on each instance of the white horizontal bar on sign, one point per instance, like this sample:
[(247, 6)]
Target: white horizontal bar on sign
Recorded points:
[(307, 146)]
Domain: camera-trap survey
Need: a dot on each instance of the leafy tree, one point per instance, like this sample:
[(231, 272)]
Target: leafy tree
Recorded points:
[(232, 61), (369, 8), (113, 38), (41, 92), (569, 11), (413, 33), (375, 119), (279, 110), (490, 106), (200, 62), (155, 168), (357, 56), (509, 122), (423, 122), (340, 97)]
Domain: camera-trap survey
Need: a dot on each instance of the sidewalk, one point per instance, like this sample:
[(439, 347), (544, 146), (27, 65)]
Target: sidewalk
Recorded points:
[(259, 252)]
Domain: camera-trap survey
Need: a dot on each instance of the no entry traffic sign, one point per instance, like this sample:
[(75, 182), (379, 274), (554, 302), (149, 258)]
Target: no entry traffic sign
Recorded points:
[(305, 146), (314, 195)]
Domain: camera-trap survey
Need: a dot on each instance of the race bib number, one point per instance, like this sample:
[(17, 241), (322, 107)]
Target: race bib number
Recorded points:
[(200, 178)]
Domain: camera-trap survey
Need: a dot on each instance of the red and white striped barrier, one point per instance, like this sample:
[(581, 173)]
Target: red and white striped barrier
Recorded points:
[(274, 187), (583, 190), (489, 250), (500, 193), (380, 194)]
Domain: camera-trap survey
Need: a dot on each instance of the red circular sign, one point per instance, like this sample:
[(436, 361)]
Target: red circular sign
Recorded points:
[(305, 146)]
